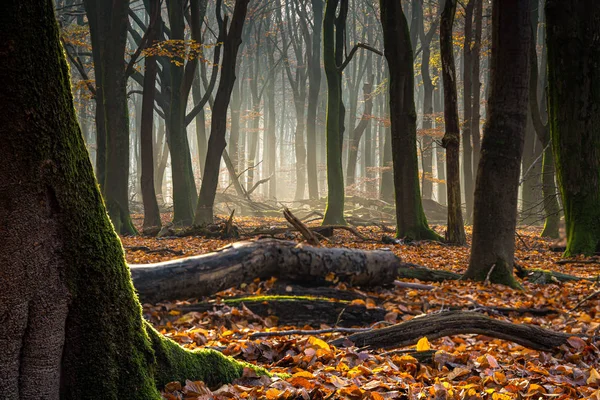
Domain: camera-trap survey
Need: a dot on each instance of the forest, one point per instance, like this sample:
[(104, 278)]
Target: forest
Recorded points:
[(299, 199)]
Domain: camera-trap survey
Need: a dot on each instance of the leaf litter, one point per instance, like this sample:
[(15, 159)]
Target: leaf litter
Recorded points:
[(462, 367)]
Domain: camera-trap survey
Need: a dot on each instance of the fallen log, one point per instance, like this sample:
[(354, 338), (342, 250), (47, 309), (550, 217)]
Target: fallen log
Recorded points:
[(242, 262), (299, 310), (435, 326)]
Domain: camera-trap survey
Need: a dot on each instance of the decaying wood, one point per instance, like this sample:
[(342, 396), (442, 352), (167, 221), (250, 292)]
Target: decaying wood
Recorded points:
[(310, 237), (567, 261), (300, 311), (435, 326), (242, 262)]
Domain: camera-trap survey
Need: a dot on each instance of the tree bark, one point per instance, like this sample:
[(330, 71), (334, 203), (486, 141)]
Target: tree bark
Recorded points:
[(151, 211), (244, 261), (67, 323), (455, 232), (435, 326), (333, 46), (574, 116), (468, 165), (216, 142), (411, 219), (496, 191), (314, 82)]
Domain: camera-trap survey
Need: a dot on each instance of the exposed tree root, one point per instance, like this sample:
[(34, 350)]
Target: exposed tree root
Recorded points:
[(451, 323)]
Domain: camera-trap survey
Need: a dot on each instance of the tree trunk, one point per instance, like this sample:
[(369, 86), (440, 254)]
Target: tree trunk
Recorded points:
[(574, 116), (386, 188), (497, 186), (455, 232), (468, 110), (151, 211), (428, 117), (411, 219), (216, 142), (476, 84), (314, 82), (359, 130), (200, 123), (333, 29), (67, 323), (184, 186)]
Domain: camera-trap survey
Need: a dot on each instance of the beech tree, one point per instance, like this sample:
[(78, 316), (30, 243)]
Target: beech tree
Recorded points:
[(451, 140), (574, 116), (232, 39), (411, 220), (497, 184), (108, 30), (72, 326)]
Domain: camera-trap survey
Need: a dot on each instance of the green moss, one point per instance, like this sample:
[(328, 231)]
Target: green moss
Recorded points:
[(278, 298), (174, 363), (501, 273)]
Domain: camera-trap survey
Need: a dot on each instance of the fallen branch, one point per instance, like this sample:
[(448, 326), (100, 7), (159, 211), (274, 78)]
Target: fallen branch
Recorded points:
[(310, 237), (435, 326), (410, 285), (564, 262), (307, 332), (587, 298)]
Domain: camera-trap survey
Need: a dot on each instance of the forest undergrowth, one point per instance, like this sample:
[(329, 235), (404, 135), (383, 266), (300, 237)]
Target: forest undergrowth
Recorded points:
[(459, 367)]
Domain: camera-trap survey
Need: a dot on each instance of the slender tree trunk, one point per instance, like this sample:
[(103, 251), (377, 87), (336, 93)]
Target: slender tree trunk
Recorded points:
[(476, 82), (359, 130), (411, 219), (200, 124), (497, 186), (332, 57), (184, 186), (216, 142), (456, 231), (574, 116), (386, 192), (468, 165), (439, 152), (314, 81), (151, 211)]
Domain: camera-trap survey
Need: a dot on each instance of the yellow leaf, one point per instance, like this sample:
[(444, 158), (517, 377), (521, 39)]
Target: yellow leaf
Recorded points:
[(303, 374), (272, 394), (423, 344), (318, 343), (594, 377)]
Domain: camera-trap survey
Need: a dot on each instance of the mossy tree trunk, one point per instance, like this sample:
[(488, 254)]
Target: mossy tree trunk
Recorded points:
[(72, 325), (333, 47), (411, 220), (574, 116), (451, 141), (497, 185), (549, 192), (111, 34), (231, 39)]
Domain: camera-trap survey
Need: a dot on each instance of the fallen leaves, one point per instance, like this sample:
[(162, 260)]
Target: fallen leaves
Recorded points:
[(460, 367)]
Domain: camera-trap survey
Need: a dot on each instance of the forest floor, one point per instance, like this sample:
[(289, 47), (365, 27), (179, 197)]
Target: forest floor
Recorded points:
[(461, 367)]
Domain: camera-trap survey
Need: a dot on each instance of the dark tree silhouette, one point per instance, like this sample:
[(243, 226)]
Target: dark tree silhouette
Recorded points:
[(497, 185)]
